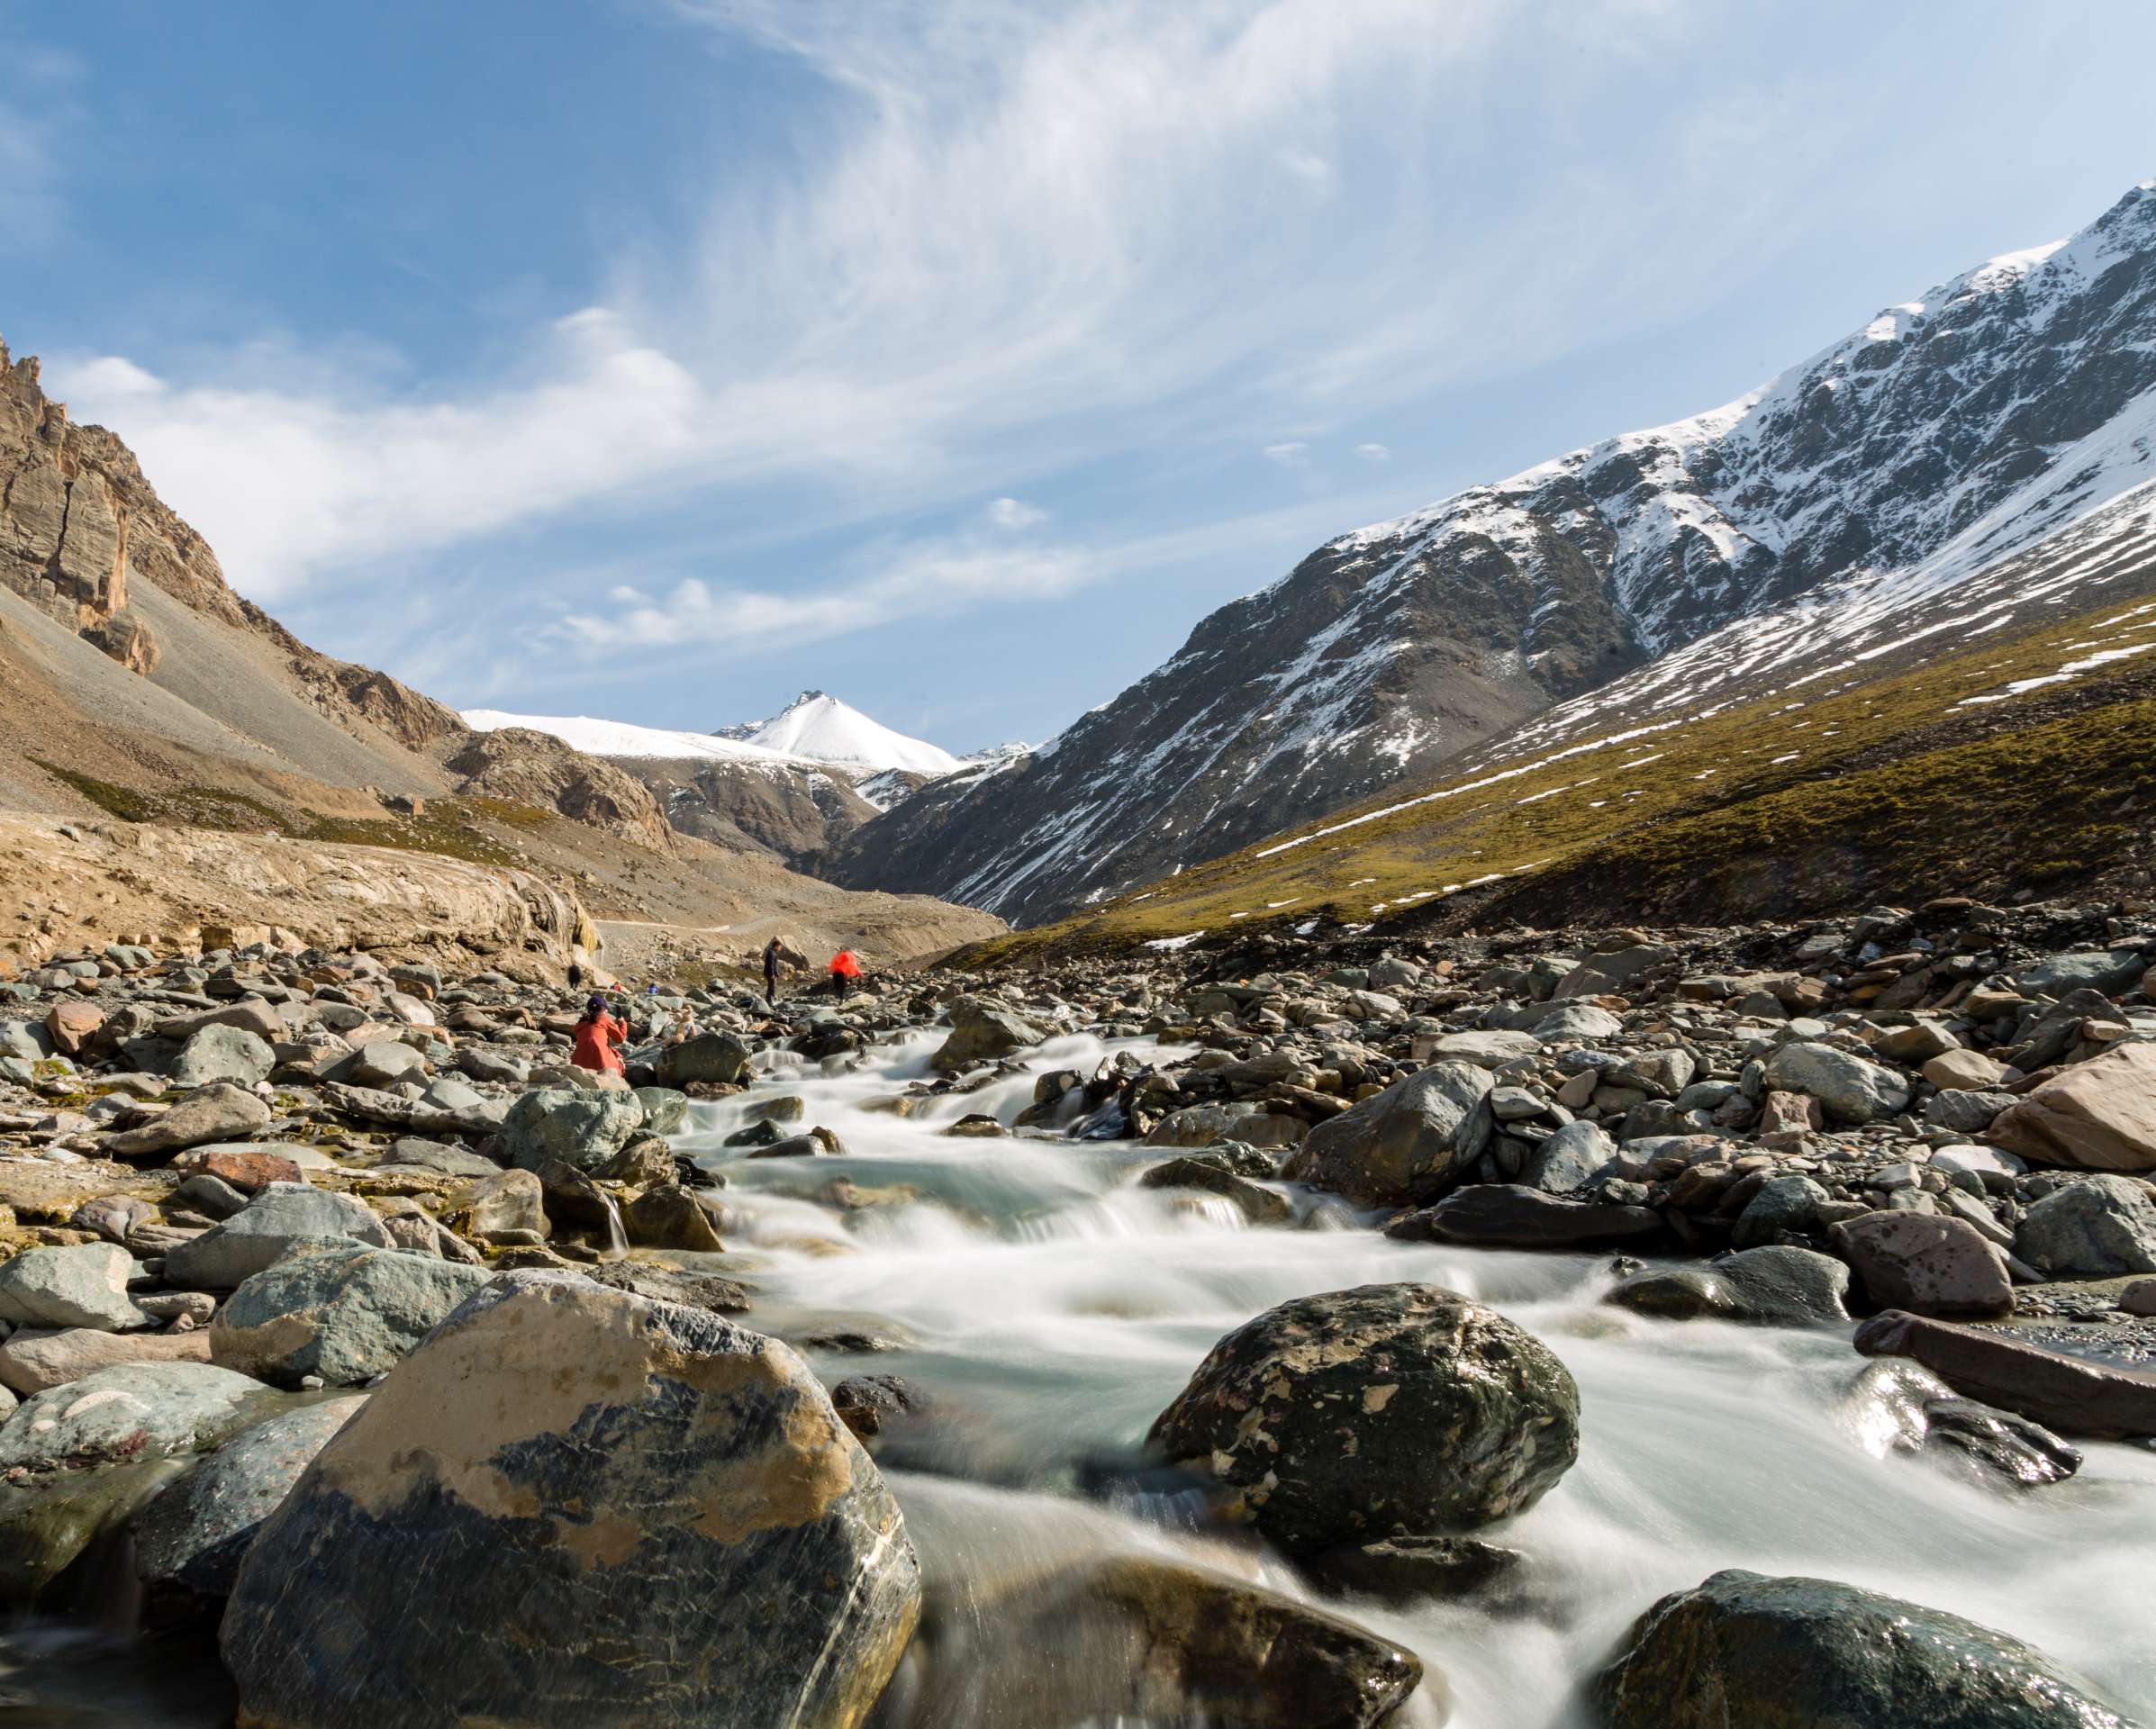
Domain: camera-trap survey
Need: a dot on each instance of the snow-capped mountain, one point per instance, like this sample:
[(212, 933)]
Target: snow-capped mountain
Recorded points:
[(821, 728), (1857, 493)]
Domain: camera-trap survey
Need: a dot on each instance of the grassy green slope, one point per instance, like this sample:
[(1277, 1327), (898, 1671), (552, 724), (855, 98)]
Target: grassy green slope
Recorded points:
[(1796, 803)]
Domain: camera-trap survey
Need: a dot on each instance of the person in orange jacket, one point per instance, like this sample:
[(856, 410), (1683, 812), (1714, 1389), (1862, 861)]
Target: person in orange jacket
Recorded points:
[(846, 972), (599, 1039)]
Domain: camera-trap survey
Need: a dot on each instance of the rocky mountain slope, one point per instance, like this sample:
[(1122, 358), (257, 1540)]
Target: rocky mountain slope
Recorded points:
[(139, 695), (1855, 493)]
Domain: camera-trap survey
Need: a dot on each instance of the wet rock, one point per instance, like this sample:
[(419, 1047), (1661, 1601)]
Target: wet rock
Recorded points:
[(865, 1403), (585, 1129), (665, 1110), (2096, 1116), (190, 1540), (1354, 1414), (709, 1059), (2097, 1228), (338, 1315), (669, 1217), (1405, 1146), (1895, 1405), (216, 1113), (579, 1546), (281, 1216), (1775, 1286), (123, 1414), (35, 1359), (981, 1032), (1407, 1569), (1495, 1215), (1140, 1639), (2072, 1395), (1926, 1263), (1259, 1204), (1850, 1089), (85, 1285), (1745, 1652), (1200, 1126)]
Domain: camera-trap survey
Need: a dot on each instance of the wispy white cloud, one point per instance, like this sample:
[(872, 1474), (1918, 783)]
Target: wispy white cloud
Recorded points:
[(1374, 453), (1289, 456), (1026, 235), (1015, 514)]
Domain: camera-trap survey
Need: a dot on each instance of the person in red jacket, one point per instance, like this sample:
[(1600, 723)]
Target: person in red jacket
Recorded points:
[(599, 1039), (846, 972)]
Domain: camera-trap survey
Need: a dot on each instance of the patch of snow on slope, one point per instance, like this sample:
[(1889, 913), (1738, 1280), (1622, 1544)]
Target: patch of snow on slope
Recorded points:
[(620, 739), (821, 728)]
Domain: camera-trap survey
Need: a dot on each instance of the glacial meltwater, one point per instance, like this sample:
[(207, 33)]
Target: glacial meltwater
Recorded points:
[(1046, 1307)]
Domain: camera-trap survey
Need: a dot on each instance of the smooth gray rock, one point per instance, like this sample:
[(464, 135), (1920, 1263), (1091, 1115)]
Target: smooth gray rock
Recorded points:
[(2110, 971), (1851, 1089), (190, 1540), (1785, 1203), (1745, 1652), (1571, 1161), (282, 1215), (1344, 1417), (1779, 1285), (1577, 1023), (1407, 1145), (83, 1285), (582, 1128), (648, 1516), (665, 1110), (131, 1411), (1609, 973), (507, 1201), (981, 1032), (341, 1313), (710, 1059), (1509, 1215), (2097, 1228), (219, 1112), (223, 1053)]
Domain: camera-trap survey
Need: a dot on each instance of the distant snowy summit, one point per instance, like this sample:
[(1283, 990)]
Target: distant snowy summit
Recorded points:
[(819, 728)]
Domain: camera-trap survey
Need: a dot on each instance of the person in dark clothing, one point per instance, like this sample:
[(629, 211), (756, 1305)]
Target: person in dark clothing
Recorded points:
[(575, 976), (773, 951)]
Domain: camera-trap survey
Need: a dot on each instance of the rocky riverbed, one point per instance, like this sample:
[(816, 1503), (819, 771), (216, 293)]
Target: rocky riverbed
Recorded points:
[(1553, 1326)]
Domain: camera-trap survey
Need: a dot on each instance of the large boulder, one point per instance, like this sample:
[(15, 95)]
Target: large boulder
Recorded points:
[(222, 1113), (1511, 1216), (1485, 1050), (2096, 1116), (2111, 971), (1601, 974), (1404, 1148), (1853, 1091), (581, 1128), (341, 1312), (126, 1414), (507, 1203), (981, 1032), (1571, 1161), (574, 1507), (223, 1053), (1346, 1415), (709, 1059), (281, 1216), (2097, 1228), (1927, 1264), (190, 1540), (81, 1285), (1745, 1652)]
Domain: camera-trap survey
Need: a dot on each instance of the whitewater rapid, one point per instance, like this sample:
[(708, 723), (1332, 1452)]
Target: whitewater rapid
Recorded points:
[(1049, 1309)]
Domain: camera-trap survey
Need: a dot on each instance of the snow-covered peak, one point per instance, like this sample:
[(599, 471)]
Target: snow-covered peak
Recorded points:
[(621, 738), (821, 728)]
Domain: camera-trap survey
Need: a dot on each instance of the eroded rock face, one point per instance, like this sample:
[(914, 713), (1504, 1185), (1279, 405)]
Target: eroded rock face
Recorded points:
[(573, 1506), (1745, 1652), (2097, 1116), (1344, 1417)]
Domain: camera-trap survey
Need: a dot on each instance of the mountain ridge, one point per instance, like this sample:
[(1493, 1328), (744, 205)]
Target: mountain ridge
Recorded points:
[(1396, 649)]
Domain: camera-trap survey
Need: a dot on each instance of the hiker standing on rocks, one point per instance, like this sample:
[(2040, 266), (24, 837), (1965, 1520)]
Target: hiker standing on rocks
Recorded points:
[(599, 1039), (845, 972), (774, 952)]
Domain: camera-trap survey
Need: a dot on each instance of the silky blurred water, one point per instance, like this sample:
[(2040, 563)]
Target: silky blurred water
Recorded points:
[(1049, 1308)]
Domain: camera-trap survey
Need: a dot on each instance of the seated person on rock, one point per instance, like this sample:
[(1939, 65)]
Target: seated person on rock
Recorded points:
[(599, 1039)]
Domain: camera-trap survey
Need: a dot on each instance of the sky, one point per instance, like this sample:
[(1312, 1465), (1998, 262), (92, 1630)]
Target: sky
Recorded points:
[(656, 359)]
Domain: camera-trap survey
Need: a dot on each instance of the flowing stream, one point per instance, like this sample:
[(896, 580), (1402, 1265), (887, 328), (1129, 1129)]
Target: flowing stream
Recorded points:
[(1049, 1309)]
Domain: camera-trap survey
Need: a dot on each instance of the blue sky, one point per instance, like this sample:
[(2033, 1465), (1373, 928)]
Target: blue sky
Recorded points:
[(656, 358)]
